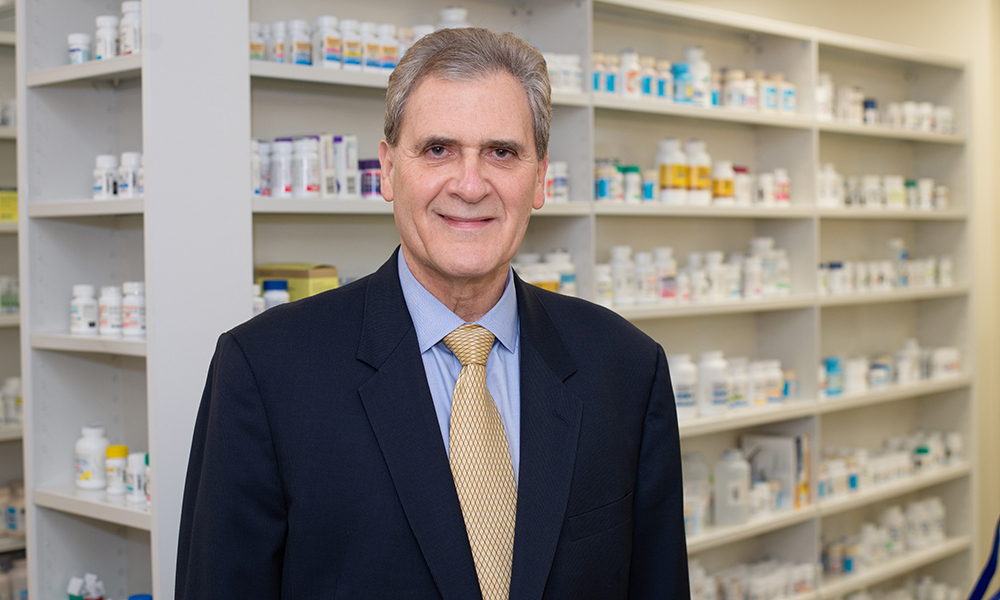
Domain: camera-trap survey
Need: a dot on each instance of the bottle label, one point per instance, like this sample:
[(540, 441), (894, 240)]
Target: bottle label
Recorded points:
[(597, 81), (279, 52), (647, 86), (389, 57), (674, 177), (373, 53), (331, 49), (668, 287), (82, 319), (720, 393), (352, 52), (302, 53), (110, 318), (88, 467), (257, 51), (134, 319), (611, 83), (701, 178), (129, 43), (663, 88), (723, 188), (684, 395)]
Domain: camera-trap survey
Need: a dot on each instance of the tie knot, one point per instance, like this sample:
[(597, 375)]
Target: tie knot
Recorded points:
[(470, 344)]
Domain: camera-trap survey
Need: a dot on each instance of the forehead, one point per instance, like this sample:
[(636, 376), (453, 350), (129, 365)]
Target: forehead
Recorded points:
[(493, 105)]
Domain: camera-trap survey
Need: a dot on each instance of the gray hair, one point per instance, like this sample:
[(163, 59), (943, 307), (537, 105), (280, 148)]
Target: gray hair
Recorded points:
[(469, 54)]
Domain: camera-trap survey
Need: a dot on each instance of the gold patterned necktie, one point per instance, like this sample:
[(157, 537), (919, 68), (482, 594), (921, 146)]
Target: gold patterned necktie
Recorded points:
[(480, 463)]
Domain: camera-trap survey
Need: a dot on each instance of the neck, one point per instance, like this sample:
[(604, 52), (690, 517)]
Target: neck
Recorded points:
[(470, 298)]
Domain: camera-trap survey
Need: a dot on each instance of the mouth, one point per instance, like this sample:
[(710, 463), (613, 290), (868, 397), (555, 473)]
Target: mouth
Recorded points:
[(470, 223)]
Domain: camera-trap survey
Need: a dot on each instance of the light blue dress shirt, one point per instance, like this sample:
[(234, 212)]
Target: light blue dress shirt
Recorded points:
[(433, 320)]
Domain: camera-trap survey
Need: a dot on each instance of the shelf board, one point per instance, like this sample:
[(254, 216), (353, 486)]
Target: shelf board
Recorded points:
[(864, 48), (654, 106), (11, 544), (698, 309), (565, 209), (720, 536), (8, 38), (92, 504), (860, 214), (656, 209), (11, 432), (895, 133), (890, 393), (87, 208), (78, 343), (893, 296), (875, 493), (112, 69), (748, 417), (262, 205), (722, 19), (10, 320), (8, 227), (835, 587), (8, 133), (570, 99)]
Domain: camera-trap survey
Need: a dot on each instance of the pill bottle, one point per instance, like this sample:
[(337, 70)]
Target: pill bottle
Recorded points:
[(604, 174), (453, 17), (715, 89), (742, 186), (700, 173), (663, 84), (573, 74), (14, 509), (732, 489), (114, 468), (265, 34), (647, 67), (782, 187), (83, 311), (714, 384), (105, 176), (683, 92), (650, 185), (767, 92), (352, 53), (371, 179), (305, 168), (787, 94), (647, 285), (559, 190), (90, 452), (299, 42), (631, 74), (603, 285), (264, 154), (834, 377), (106, 39), (561, 261), (281, 168), (388, 47), (278, 49), (12, 400), (666, 273), (733, 91), (258, 50), (612, 76), (911, 116), (700, 74), (256, 182), (598, 70), (130, 28), (774, 382), (672, 164), (326, 43), (751, 94), (684, 379), (134, 309), (824, 98), (697, 492), (79, 48), (944, 120), (275, 293), (371, 52), (149, 487), (623, 276), (135, 478), (870, 111), (140, 178), (110, 311), (723, 183), (128, 174), (739, 393), (632, 184)]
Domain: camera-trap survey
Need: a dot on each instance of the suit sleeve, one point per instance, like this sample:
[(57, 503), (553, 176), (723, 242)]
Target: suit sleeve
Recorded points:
[(659, 550), (233, 524)]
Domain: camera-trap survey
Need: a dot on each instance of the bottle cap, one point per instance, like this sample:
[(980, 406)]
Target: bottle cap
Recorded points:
[(275, 284), (83, 289), (107, 21), (107, 161), (92, 431), (78, 39), (134, 287), (117, 451)]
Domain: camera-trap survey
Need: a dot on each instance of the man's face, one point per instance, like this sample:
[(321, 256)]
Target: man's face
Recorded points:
[(463, 177)]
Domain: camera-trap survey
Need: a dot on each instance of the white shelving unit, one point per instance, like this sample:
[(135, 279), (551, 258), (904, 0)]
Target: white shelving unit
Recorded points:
[(201, 231)]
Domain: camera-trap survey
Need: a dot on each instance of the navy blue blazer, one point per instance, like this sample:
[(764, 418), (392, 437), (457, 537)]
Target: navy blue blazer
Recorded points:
[(318, 471)]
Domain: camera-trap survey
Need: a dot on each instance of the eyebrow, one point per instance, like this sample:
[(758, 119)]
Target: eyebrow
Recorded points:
[(517, 147)]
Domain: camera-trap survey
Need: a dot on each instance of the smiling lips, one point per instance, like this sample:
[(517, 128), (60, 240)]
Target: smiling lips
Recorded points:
[(466, 222)]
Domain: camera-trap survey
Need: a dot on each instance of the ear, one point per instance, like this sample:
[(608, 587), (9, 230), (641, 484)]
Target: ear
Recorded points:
[(543, 166), (386, 160)]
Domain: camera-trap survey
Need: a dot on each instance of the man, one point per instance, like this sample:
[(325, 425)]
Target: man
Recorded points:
[(440, 429)]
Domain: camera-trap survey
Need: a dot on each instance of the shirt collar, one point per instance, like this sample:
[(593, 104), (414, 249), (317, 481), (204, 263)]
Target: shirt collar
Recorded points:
[(433, 320)]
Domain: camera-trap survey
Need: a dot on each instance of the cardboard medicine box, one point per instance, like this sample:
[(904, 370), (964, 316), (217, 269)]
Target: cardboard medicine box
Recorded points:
[(304, 279), (8, 205)]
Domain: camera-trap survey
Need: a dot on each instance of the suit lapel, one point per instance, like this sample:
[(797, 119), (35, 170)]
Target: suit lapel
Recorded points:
[(398, 403), (550, 427)]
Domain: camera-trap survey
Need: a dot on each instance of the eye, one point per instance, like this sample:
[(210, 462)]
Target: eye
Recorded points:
[(437, 151), (503, 153)]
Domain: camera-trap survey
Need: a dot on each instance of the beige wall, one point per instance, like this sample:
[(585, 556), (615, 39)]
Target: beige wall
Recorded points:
[(965, 28)]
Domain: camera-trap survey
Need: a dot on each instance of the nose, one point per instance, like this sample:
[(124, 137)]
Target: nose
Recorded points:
[(469, 182)]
